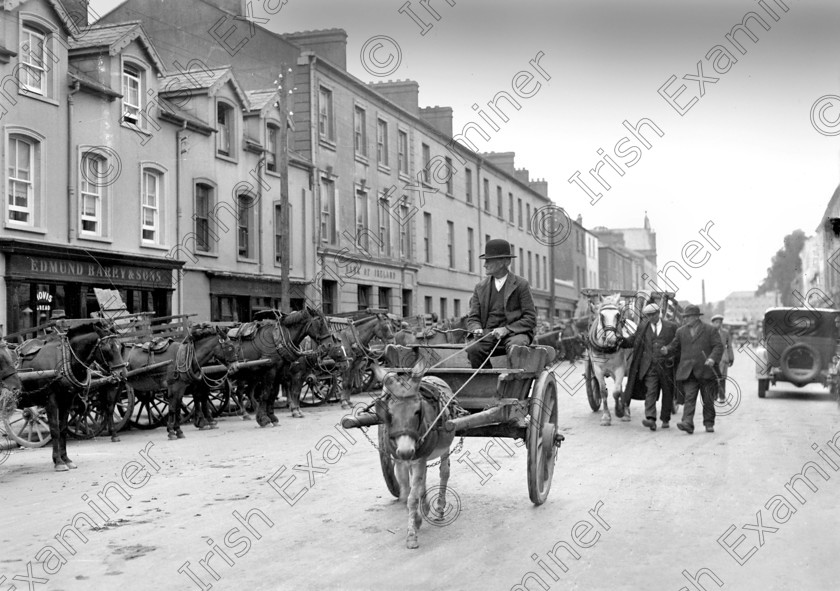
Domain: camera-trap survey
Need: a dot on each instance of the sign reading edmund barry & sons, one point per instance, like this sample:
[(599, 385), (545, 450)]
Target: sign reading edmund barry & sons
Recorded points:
[(88, 272)]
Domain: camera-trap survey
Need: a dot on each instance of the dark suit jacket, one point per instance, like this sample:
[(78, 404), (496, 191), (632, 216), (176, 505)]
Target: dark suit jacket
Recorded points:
[(520, 313), (726, 339), (694, 352)]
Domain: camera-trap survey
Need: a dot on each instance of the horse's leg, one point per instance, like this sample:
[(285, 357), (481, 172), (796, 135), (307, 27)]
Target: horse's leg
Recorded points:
[(173, 420), (55, 431), (617, 394), (606, 418), (109, 402), (404, 479), (414, 496), (63, 404), (281, 379), (261, 393), (444, 481), (295, 381)]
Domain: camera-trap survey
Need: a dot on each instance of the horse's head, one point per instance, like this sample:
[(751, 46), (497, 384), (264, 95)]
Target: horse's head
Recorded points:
[(8, 374), (606, 327), (212, 342), (317, 327), (108, 350), (403, 410), (384, 328)]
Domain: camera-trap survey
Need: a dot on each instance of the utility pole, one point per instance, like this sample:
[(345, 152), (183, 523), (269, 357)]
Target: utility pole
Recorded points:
[(285, 87), (551, 286)]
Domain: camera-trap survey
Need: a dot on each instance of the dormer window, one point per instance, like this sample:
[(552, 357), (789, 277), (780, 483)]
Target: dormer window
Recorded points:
[(33, 72), (271, 154), (132, 97), (224, 129)]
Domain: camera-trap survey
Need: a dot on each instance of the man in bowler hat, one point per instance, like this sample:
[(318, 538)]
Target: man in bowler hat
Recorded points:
[(699, 348), (501, 304), (650, 371)]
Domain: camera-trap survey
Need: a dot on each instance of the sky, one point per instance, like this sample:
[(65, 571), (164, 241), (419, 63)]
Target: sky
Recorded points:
[(745, 156)]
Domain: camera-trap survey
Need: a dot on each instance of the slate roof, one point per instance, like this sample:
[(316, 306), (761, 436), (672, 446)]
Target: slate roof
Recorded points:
[(115, 38)]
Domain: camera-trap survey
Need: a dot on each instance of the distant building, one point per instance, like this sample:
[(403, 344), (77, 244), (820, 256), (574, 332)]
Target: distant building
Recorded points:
[(829, 232), (745, 305), (576, 263)]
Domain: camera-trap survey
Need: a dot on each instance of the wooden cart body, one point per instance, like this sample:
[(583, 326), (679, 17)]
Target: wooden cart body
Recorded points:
[(515, 398)]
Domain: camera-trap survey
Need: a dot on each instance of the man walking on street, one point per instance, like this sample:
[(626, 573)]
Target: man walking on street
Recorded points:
[(650, 371), (726, 360), (501, 303), (699, 348)]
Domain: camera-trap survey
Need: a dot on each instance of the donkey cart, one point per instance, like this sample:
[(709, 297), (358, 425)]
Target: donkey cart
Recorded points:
[(517, 399)]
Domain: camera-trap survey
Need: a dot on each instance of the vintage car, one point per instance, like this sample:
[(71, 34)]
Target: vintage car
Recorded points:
[(800, 347)]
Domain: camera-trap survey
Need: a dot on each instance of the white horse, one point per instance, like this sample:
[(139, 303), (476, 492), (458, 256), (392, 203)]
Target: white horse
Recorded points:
[(607, 358)]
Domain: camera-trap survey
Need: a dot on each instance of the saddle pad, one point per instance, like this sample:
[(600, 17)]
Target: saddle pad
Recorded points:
[(245, 331), (30, 348), (159, 345)]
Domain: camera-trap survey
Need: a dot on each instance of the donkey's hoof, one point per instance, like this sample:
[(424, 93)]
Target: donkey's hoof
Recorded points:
[(411, 543), (181, 435), (606, 422), (115, 439), (61, 468), (273, 418)]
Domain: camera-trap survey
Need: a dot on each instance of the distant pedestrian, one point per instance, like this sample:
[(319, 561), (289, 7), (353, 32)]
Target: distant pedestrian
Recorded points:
[(699, 349), (727, 359)]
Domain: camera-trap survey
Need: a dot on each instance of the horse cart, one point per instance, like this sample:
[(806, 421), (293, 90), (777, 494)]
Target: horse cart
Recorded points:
[(631, 304), (516, 398)]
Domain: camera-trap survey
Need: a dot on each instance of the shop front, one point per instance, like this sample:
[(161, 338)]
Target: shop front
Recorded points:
[(359, 285), (236, 297), (42, 278)]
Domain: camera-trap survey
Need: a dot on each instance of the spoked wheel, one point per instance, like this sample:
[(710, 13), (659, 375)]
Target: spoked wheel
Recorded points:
[(540, 436), (219, 399), (593, 388), (85, 420), (124, 407), (28, 427), (314, 391), (150, 410), (387, 462)]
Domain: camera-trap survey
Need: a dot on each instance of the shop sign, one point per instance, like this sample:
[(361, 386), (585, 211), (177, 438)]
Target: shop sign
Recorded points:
[(89, 272)]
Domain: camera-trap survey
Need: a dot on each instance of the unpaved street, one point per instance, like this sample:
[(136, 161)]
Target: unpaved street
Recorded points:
[(304, 506)]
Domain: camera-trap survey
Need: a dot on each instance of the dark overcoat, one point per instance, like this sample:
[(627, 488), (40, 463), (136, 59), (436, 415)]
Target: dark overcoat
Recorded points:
[(520, 313), (645, 349), (693, 352)]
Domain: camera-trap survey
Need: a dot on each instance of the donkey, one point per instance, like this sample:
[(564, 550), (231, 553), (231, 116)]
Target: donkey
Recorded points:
[(608, 360), (412, 417)]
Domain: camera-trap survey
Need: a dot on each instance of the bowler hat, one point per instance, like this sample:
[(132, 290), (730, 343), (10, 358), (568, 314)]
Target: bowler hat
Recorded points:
[(692, 310), (497, 248), (716, 317)]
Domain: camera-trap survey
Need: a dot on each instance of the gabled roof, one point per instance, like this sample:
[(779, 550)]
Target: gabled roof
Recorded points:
[(115, 38), (198, 81), (70, 26), (263, 100)]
